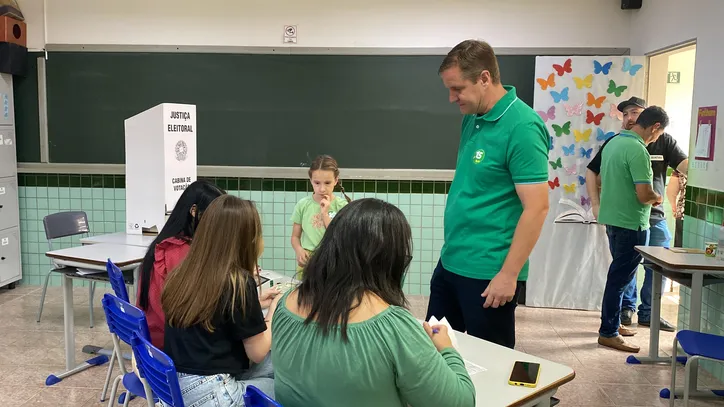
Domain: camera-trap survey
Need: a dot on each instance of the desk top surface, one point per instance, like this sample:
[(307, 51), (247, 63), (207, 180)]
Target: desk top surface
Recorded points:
[(492, 386), (120, 238), (98, 254), (681, 261)]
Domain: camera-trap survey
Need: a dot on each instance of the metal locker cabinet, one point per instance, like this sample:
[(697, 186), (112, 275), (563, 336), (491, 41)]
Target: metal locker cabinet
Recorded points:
[(8, 164), (7, 109), (9, 211), (9, 255)]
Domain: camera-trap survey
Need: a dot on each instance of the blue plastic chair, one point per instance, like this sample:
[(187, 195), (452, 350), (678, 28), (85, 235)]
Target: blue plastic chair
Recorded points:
[(158, 373), (697, 345), (253, 397), (118, 282), (124, 320)]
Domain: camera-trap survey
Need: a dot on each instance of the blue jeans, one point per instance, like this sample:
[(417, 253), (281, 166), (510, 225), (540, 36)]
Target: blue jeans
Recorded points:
[(223, 390), (661, 237), (622, 270)]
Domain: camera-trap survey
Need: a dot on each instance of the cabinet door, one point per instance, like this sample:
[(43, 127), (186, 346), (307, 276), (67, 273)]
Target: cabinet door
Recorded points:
[(7, 115), (8, 164), (9, 213), (9, 256)]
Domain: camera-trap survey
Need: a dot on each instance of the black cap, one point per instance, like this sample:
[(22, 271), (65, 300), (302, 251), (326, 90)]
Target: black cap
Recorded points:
[(634, 101)]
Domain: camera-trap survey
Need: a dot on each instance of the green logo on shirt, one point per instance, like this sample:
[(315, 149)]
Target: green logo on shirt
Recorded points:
[(479, 156)]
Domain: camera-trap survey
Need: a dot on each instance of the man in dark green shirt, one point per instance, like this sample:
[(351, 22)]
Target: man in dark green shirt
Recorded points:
[(498, 200), (627, 194)]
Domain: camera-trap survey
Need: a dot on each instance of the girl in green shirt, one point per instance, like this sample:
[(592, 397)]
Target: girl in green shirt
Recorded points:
[(344, 337), (313, 213)]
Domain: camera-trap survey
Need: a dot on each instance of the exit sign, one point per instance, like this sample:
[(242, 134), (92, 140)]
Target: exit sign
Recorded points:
[(673, 77)]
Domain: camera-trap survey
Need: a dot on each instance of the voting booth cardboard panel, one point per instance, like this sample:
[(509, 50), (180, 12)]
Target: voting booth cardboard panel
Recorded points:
[(160, 163)]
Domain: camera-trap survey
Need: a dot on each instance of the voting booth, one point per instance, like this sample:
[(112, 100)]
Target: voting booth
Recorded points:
[(160, 163)]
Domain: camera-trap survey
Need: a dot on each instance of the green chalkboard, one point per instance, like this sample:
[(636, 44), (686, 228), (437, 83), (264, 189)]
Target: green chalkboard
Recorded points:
[(27, 122), (266, 110)]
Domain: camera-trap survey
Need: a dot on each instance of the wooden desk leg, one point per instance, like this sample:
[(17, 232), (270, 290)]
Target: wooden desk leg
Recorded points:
[(68, 322)]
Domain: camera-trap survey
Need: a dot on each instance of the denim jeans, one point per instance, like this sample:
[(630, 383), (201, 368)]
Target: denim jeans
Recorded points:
[(223, 390), (622, 270), (660, 237)]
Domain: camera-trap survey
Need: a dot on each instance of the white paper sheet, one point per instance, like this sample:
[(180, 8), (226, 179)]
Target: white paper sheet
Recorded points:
[(85, 272), (703, 139), (472, 368), (433, 321)]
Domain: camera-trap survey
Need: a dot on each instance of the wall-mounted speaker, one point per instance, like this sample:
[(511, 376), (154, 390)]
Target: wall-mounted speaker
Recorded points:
[(631, 4), (13, 59), (13, 31)]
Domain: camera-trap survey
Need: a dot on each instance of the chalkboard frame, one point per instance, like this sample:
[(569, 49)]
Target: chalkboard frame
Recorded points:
[(74, 167)]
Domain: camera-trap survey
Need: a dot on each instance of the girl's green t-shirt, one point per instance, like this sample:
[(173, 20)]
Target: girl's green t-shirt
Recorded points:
[(308, 214)]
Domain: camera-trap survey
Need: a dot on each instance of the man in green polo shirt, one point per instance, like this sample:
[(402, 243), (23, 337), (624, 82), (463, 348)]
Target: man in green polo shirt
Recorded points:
[(627, 194), (498, 200)]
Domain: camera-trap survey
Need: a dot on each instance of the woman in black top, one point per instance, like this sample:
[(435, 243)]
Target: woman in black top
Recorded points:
[(216, 333)]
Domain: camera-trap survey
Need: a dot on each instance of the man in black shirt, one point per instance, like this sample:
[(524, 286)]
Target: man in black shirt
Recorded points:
[(664, 153)]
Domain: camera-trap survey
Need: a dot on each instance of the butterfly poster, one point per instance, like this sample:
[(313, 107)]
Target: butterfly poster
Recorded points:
[(577, 98)]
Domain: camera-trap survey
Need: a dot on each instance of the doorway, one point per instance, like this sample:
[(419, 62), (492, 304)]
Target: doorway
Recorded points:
[(670, 84)]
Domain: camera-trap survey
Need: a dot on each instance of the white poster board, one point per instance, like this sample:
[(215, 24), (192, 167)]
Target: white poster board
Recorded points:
[(577, 98)]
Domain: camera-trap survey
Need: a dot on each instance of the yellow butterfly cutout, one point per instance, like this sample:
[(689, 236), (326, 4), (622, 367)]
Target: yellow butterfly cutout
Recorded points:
[(582, 136), (570, 188), (586, 82)]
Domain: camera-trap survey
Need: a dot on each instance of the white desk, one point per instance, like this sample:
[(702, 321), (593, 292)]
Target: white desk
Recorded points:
[(92, 257), (121, 238), (694, 270), (491, 386)]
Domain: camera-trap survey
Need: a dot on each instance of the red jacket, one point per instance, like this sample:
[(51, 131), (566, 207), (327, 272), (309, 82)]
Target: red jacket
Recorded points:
[(168, 255)]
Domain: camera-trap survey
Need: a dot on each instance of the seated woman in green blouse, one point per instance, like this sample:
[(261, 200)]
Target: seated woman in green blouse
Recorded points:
[(345, 338)]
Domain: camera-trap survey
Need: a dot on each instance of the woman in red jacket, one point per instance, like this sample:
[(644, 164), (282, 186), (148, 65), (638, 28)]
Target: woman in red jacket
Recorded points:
[(169, 249)]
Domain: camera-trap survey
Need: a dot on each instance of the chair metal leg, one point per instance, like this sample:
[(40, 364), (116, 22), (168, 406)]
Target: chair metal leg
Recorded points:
[(91, 292), (108, 376), (674, 362), (687, 379), (149, 393), (114, 390), (128, 399), (42, 296)]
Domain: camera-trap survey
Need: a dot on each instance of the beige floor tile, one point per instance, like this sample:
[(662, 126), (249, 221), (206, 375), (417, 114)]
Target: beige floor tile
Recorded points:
[(32, 351)]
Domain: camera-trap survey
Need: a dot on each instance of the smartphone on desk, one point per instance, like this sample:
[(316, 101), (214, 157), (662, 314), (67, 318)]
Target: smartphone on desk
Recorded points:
[(524, 374)]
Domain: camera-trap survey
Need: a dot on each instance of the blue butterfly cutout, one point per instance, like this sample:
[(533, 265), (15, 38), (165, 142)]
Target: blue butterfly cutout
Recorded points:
[(569, 150), (604, 69), (586, 153), (629, 67), (551, 143), (581, 179), (604, 136), (562, 96)]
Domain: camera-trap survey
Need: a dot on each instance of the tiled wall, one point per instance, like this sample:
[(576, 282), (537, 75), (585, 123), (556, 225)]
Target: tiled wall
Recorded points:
[(102, 197), (702, 220)]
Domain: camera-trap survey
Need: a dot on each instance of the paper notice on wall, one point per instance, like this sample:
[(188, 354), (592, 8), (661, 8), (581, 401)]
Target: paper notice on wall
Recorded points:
[(705, 134), (703, 139)]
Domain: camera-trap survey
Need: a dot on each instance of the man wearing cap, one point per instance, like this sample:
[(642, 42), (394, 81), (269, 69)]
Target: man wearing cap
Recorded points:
[(664, 153)]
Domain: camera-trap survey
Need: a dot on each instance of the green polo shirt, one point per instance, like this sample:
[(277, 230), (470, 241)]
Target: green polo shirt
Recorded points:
[(502, 148), (625, 164)]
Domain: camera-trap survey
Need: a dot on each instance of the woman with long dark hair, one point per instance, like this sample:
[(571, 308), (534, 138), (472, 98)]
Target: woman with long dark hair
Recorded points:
[(168, 251), (345, 336)]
